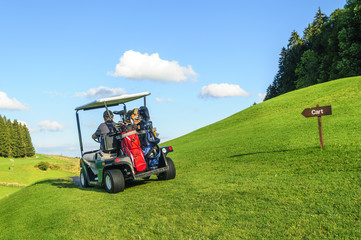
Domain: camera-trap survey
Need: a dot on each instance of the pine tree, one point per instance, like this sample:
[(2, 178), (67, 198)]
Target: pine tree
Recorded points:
[(314, 29), (10, 129), (307, 70), (19, 144), (2, 129), (290, 57), (329, 56), (4, 138), (29, 148), (349, 38)]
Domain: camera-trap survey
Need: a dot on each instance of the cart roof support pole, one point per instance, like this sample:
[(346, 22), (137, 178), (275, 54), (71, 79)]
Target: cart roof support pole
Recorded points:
[(79, 133)]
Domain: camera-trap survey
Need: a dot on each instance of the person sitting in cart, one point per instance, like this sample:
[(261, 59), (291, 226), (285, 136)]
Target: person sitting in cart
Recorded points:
[(134, 117), (105, 128)]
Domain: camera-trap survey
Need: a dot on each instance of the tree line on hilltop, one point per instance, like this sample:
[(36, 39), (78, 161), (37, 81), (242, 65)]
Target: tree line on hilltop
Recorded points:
[(329, 49), (15, 140)]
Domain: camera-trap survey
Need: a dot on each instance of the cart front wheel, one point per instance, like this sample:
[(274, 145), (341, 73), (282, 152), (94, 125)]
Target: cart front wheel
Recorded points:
[(83, 180)]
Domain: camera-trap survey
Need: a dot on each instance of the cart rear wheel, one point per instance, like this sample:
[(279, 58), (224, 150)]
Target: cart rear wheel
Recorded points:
[(170, 174), (114, 181)]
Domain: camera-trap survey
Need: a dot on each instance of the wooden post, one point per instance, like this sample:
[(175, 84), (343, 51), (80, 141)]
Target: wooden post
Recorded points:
[(320, 129), (318, 112)]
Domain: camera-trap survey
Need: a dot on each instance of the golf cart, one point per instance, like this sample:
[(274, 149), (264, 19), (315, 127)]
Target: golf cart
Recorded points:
[(113, 164)]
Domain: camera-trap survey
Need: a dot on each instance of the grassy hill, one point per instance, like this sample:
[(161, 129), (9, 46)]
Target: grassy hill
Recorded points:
[(257, 174)]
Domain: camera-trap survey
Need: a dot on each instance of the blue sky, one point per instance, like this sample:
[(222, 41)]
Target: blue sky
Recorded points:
[(202, 61)]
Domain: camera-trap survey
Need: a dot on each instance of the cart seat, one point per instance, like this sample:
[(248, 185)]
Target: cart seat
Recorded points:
[(90, 158)]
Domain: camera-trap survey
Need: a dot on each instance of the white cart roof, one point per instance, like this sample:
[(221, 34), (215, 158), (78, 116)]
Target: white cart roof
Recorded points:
[(112, 101)]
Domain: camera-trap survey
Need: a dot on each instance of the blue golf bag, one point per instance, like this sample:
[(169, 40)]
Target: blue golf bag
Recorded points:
[(148, 139)]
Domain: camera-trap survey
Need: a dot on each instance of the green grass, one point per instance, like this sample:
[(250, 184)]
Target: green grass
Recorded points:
[(259, 174), (6, 191)]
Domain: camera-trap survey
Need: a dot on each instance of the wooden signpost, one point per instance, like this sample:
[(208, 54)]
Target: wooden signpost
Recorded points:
[(318, 112)]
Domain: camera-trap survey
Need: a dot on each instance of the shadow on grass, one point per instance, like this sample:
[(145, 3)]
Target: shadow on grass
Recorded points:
[(309, 149), (59, 183), (98, 187), (74, 182)]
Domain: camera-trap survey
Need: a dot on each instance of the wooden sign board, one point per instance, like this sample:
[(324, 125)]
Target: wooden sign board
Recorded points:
[(318, 112)]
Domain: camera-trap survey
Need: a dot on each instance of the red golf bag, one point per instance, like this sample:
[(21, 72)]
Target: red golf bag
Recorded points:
[(131, 147)]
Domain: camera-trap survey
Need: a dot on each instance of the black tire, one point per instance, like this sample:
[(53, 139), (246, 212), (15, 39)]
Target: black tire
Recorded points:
[(114, 181), (83, 180), (170, 174)]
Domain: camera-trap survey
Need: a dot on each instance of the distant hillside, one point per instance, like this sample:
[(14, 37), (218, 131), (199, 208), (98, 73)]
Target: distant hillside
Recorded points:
[(15, 174), (259, 174)]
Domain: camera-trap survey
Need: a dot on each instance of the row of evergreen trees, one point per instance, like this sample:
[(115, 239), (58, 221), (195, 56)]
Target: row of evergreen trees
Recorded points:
[(329, 49), (15, 139)]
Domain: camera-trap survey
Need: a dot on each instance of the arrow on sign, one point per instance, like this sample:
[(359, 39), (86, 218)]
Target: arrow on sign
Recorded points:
[(317, 111)]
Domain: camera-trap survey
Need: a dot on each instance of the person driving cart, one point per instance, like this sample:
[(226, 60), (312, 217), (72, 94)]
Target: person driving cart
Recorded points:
[(105, 128)]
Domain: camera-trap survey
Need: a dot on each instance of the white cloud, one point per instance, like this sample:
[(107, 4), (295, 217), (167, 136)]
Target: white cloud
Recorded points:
[(47, 125), (138, 66), (161, 100), (23, 123), (261, 97), (101, 92), (223, 90), (28, 126), (10, 104)]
